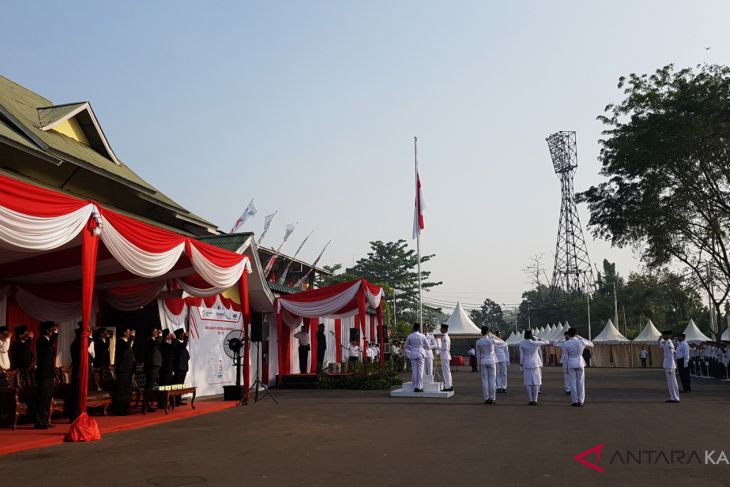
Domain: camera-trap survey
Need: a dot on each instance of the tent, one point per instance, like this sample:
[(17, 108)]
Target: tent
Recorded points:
[(649, 334), (60, 254), (726, 335), (342, 300), (610, 334), (460, 323), (694, 335)]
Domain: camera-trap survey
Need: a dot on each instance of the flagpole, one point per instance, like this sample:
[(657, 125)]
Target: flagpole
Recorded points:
[(418, 240)]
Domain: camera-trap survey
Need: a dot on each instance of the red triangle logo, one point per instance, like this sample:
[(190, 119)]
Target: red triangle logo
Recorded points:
[(580, 458)]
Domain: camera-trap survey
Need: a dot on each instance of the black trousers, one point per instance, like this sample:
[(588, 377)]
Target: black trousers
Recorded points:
[(683, 375), (643, 363), (151, 377), (179, 377), (166, 377), (43, 401), (320, 360), (303, 356), (124, 393)]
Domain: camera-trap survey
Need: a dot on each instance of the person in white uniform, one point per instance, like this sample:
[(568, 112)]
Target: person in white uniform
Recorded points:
[(5, 336), (531, 365), (573, 348), (432, 345), (445, 354), (682, 356), (564, 360), (670, 365), (487, 359), (501, 350), (415, 347)]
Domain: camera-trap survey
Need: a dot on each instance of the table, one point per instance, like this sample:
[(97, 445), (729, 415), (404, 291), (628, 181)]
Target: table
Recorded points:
[(167, 398)]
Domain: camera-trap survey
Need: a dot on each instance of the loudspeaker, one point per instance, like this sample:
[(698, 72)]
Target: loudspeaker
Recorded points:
[(232, 393), (259, 327), (354, 335)]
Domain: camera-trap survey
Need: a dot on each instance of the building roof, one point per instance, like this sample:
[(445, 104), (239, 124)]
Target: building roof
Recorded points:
[(29, 120)]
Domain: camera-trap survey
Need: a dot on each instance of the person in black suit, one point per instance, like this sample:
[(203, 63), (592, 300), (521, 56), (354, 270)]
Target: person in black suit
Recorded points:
[(321, 347), (21, 354), (45, 373), (152, 359), (74, 409), (125, 364), (181, 359), (587, 357), (166, 349), (102, 358)]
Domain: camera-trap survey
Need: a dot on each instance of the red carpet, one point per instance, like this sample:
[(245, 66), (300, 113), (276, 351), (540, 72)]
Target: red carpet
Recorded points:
[(27, 438)]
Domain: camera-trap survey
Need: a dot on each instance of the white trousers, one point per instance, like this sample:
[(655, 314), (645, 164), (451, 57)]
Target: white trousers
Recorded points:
[(502, 375), (489, 381), (577, 384), (672, 384), (428, 366), (417, 372), (532, 392), (566, 377), (446, 372)]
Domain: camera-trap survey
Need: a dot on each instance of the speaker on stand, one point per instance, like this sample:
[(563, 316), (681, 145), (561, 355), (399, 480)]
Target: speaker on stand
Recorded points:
[(259, 332)]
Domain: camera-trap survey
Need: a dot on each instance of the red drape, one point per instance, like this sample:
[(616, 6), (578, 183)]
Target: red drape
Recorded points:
[(362, 314), (313, 322), (84, 428), (338, 339), (243, 291), (372, 329), (381, 340)]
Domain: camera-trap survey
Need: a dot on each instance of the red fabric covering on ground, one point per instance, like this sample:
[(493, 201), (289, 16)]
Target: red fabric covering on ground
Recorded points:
[(84, 428), (26, 438)]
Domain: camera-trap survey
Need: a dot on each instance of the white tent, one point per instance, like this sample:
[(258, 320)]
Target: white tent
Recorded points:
[(546, 332), (516, 338), (610, 334), (460, 323), (557, 333), (693, 334), (509, 337), (726, 335), (649, 334)]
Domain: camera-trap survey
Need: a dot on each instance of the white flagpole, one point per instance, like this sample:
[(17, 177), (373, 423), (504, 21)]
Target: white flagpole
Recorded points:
[(418, 238)]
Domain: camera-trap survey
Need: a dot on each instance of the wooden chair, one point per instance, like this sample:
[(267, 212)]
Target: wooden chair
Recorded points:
[(11, 406)]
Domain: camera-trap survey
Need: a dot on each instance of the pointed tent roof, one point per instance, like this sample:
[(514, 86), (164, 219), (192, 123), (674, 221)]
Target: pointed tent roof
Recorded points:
[(610, 334), (516, 338), (693, 334), (726, 335), (649, 334), (460, 323), (556, 333)]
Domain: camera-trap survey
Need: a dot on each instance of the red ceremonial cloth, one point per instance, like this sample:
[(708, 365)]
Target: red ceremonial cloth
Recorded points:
[(83, 429)]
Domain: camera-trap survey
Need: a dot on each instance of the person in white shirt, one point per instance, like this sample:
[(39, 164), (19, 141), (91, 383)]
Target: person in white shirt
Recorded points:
[(415, 347), (5, 336), (473, 359), (683, 363), (445, 354), (531, 365), (643, 355), (564, 361), (670, 365), (432, 345), (488, 364), (353, 352), (304, 347), (501, 350), (573, 348)]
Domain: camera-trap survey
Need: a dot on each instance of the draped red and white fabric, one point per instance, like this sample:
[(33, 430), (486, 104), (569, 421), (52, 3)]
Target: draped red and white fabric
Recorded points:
[(73, 247), (338, 301)]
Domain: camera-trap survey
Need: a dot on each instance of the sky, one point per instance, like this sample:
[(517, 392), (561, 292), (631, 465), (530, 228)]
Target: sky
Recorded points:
[(311, 108)]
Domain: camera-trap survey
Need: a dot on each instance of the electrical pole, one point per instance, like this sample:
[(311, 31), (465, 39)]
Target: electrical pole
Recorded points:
[(588, 304), (615, 305)]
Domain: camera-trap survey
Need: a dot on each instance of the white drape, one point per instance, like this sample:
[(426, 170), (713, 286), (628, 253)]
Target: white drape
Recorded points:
[(37, 233), (201, 292), (136, 260), (324, 307), (44, 310), (222, 277), (132, 302)]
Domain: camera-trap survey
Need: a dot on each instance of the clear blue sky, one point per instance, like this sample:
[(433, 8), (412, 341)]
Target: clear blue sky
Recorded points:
[(311, 108)]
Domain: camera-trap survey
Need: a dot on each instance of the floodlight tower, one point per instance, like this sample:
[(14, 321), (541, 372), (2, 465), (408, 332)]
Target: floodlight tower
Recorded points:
[(572, 273)]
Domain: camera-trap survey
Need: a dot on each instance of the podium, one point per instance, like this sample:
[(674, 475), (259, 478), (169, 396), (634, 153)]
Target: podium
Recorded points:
[(431, 390)]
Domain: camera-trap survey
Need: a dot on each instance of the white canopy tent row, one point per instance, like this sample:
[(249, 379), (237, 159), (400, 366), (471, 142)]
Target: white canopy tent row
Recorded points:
[(649, 334), (460, 323), (693, 334)]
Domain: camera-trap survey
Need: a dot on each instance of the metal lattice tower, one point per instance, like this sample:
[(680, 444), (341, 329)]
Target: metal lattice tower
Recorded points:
[(572, 272)]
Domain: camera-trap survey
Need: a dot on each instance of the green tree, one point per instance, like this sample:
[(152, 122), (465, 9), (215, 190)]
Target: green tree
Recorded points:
[(666, 155), (490, 314)]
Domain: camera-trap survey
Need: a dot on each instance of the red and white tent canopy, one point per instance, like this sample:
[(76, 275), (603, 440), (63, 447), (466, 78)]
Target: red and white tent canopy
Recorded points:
[(341, 300), (56, 251)]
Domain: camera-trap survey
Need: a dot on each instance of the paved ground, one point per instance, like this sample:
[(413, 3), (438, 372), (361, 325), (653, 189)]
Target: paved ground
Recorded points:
[(352, 438)]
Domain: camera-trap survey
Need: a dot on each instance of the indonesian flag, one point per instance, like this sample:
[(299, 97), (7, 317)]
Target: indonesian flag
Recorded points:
[(250, 211), (420, 205)]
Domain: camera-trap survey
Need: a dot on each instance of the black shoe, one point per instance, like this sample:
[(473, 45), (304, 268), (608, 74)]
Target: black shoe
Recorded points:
[(450, 389), (567, 393), (489, 401), (574, 405), (40, 426), (672, 400), (531, 403), (417, 390)]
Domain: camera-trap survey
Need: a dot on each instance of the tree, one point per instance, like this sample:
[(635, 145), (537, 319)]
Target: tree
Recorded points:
[(490, 314), (666, 154)]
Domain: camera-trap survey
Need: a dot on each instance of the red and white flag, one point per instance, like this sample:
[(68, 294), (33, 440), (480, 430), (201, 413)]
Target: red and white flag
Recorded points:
[(420, 205), (249, 212)]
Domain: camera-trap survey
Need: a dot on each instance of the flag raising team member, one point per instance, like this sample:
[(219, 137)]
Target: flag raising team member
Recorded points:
[(670, 365), (445, 354), (573, 348), (501, 350), (531, 365), (487, 360), (415, 347)]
